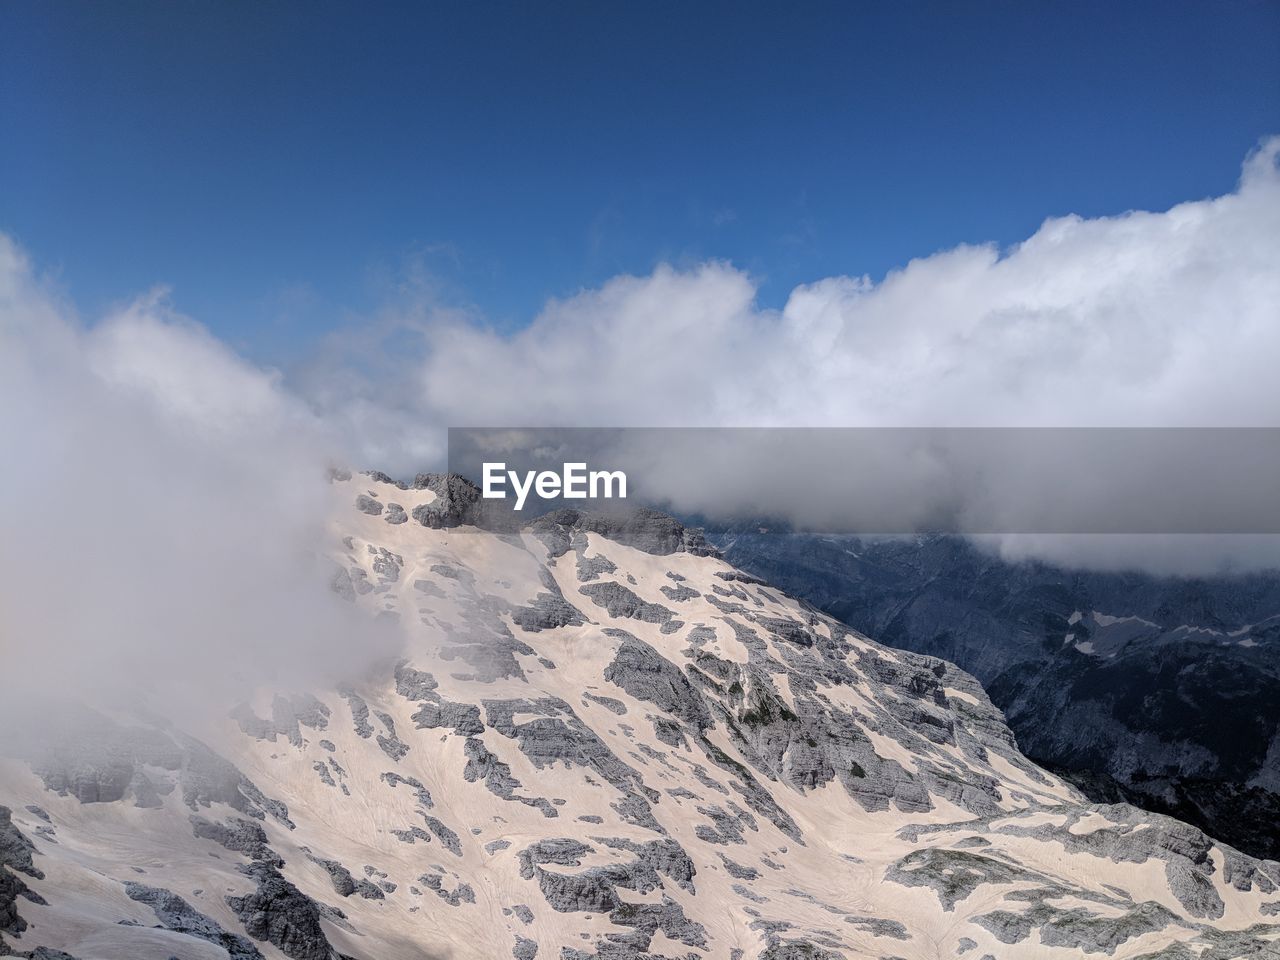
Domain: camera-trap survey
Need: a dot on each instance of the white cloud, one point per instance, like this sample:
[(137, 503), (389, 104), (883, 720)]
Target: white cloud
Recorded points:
[(162, 503), (1139, 319), (1166, 318)]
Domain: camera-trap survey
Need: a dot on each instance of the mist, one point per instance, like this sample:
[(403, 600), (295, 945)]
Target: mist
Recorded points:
[(165, 502), (164, 519)]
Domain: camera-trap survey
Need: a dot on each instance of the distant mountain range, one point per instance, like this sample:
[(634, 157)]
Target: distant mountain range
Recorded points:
[(1161, 691)]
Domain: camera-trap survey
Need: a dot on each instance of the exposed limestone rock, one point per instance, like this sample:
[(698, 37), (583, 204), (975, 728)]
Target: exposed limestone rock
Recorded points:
[(641, 671), (359, 712), (646, 530), (592, 568), (422, 794), (344, 884), (239, 836), (548, 611), (1076, 927), (366, 504), (391, 745), (618, 601), (460, 894), (15, 848), (614, 706), (446, 836), (954, 874), (177, 915), (462, 718), (281, 914), (679, 593)]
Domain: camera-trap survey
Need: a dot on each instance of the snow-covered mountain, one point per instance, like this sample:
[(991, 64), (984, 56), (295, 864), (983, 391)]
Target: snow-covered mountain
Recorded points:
[(1158, 690), (601, 740)]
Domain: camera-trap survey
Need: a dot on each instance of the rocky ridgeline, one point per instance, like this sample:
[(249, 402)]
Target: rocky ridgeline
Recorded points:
[(1155, 690), (601, 741)]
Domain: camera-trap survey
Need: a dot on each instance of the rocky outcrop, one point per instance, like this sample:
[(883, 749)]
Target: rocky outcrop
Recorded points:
[(618, 601), (344, 884), (1155, 691), (178, 916), (282, 915), (238, 835), (645, 530)]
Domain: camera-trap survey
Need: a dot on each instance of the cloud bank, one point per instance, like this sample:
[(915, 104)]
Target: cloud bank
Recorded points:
[(151, 470), (163, 512), (1144, 319)]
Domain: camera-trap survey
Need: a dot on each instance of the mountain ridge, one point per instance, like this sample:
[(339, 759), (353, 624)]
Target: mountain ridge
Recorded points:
[(1157, 690), (594, 747)]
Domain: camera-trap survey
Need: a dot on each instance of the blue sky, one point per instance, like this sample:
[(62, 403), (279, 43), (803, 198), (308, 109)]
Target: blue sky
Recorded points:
[(285, 166)]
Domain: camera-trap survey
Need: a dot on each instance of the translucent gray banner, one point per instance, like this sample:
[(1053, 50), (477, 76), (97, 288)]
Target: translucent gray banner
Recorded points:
[(891, 481)]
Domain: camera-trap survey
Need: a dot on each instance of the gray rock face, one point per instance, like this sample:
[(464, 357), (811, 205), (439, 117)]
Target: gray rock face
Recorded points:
[(11, 888), (287, 714), (391, 745), (462, 718), (646, 530), (366, 504), (359, 712), (414, 684), (618, 601), (239, 836), (386, 565), (738, 871), (395, 514), (678, 593), (1077, 927), (1156, 691), (15, 848), (281, 914), (411, 835), (41, 953), (460, 894), (595, 890), (641, 671), (377, 476), (96, 759), (422, 794), (614, 706), (344, 884), (592, 568), (557, 735), (15, 853), (483, 764), (340, 583), (428, 588), (797, 950), (648, 918), (458, 503), (177, 915), (881, 927), (1136, 836), (955, 874), (548, 611), (445, 835)]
